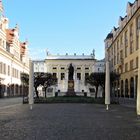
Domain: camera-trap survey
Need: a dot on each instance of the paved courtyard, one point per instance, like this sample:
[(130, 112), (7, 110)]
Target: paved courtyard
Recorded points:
[(68, 122)]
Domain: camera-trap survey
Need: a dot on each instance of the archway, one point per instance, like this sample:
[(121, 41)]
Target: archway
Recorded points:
[(132, 87), (126, 88), (118, 89), (122, 90)]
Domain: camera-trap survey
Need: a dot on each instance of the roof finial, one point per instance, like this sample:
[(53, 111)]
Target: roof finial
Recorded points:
[(17, 27), (93, 53)]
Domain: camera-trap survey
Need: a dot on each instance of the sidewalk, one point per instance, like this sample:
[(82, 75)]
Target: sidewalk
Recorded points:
[(10, 101)]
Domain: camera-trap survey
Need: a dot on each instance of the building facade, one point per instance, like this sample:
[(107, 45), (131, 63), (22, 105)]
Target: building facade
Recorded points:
[(39, 66), (13, 58), (99, 66), (83, 65), (122, 45)]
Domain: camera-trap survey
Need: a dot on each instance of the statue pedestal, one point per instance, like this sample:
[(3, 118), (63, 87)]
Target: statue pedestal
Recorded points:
[(70, 91)]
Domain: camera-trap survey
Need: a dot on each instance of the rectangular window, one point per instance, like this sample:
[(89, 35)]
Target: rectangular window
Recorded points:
[(8, 47), (4, 66), (131, 47), (131, 65), (126, 39), (131, 30), (121, 40), (0, 42), (126, 67), (54, 75), (8, 70), (62, 76), (79, 76), (86, 68), (117, 58), (126, 48), (17, 74), (118, 45), (78, 68), (86, 75), (138, 22), (137, 62), (114, 49), (137, 42), (138, 27), (54, 68), (121, 54), (114, 60), (62, 68)]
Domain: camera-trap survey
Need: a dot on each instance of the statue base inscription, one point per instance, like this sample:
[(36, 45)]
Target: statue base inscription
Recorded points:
[(70, 91)]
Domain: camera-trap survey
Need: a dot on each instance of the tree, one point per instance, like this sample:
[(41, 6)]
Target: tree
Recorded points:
[(44, 79), (24, 78), (25, 82), (98, 79)]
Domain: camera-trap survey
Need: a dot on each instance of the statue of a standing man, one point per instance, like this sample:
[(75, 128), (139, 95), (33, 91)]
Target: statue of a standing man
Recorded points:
[(71, 71)]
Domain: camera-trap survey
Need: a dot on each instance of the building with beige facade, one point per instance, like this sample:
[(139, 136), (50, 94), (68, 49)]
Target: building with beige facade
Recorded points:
[(122, 45), (59, 65), (13, 58)]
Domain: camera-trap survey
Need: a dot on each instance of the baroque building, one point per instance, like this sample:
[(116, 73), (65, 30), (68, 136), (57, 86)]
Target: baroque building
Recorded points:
[(13, 58), (39, 66), (122, 45), (71, 71)]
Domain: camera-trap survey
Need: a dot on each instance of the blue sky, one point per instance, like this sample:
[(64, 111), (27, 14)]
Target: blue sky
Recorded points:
[(64, 26)]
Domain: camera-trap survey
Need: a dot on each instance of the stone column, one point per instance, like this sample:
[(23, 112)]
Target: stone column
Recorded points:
[(138, 87), (107, 86), (83, 74), (75, 75), (31, 85)]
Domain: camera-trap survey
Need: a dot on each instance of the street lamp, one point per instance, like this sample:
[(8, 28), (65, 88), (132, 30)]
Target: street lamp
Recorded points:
[(31, 85)]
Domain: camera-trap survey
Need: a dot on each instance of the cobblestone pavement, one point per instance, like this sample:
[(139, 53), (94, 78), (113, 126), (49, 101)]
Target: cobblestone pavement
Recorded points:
[(69, 122), (6, 102)]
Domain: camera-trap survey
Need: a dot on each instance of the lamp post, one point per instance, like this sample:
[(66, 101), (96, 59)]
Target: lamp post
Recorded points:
[(31, 85), (138, 87)]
